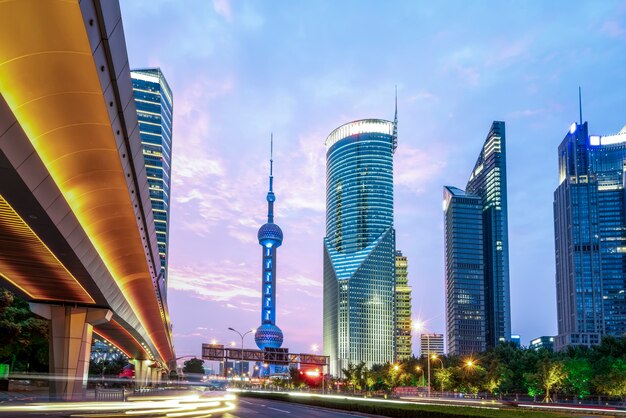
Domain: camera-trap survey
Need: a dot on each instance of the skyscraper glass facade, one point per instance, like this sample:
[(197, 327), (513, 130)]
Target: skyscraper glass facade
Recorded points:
[(488, 181), (590, 237), (359, 247), (485, 190), (464, 270), (153, 100), (403, 309)]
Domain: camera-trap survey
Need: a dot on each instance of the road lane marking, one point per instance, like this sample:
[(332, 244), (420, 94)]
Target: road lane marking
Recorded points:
[(251, 403), (279, 410)]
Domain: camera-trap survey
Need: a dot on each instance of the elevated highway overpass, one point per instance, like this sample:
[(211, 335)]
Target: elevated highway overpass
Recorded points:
[(77, 235)]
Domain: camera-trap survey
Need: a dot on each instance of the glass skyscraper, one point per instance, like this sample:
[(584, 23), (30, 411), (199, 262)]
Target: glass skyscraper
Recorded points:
[(403, 309), (464, 270), (359, 247), (590, 237), (153, 99), (476, 229)]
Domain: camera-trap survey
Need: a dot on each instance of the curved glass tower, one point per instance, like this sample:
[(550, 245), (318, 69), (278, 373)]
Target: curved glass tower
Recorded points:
[(359, 247), (270, 238)]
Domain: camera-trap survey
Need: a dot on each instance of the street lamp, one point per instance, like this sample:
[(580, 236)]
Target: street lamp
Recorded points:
[(419, 369), (242, 336), (434, 357), (419, 327)]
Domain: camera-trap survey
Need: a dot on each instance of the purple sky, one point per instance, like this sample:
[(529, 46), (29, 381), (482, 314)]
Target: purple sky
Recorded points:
[(242, 69)]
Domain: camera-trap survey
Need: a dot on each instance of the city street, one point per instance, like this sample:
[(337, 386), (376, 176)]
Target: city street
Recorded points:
[(244, 408), (248, 408)]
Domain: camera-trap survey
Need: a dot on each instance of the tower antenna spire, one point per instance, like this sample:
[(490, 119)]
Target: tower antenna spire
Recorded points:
[(580, 105), (395, 118), (270, 194), (395, 123)]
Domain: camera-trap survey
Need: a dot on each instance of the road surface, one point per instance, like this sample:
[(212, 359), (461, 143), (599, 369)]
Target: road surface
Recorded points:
[(263, 408)]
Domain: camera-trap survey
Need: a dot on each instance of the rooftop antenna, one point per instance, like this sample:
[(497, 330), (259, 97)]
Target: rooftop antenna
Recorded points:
[(580, 105)]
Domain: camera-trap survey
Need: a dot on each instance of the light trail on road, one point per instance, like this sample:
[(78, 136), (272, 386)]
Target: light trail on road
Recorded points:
[(193, 406)]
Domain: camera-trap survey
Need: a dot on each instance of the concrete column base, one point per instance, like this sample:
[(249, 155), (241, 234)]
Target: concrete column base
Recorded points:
[(142, 372), (71, 331)]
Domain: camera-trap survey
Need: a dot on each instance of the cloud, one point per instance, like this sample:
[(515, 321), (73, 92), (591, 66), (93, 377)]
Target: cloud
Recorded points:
[(525, 113), (469, 74), (422, 96), (414, 168), (224, 9), (613, 29), (542, 111), (305, 175), (224, 282), (300, 281)]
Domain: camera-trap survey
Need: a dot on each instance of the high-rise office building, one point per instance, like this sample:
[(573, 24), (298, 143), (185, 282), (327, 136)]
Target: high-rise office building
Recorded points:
[(431, 344), (359, 247), (516, 339), (546, 342), (476, 230), (590, 237), (153, 100), (464, 270), (403, 309)]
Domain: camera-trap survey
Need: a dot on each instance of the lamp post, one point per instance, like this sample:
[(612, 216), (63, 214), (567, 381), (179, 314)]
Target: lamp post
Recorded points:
[(434, 357), (420, 327), (419, 369), (428, 360), (242, 336)]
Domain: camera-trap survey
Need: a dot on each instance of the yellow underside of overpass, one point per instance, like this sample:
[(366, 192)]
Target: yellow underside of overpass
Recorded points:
[(50, 82)]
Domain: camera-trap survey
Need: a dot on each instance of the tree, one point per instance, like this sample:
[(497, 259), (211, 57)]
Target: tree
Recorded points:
[(579, 373), (193, 365), (444, 377), (356, 375), (533, 387), (551, 375), (494, 380), (107, 364), (25, 336), (614, 383)]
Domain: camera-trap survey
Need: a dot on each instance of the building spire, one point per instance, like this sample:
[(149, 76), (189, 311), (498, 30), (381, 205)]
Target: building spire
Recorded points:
[(580, 105), (395, 123), (270, 194)]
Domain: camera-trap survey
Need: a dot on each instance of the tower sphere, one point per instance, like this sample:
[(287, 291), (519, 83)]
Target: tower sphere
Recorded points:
[(268, 335), (270, 233)]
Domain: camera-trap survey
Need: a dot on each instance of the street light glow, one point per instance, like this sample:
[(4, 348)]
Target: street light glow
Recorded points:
[(419, 325)]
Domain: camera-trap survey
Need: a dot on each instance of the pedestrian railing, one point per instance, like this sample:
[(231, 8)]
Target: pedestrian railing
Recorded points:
[(103, 394)]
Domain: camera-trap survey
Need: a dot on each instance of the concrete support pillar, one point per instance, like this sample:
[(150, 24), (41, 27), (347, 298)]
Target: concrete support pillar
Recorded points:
[(142, 372), (71, 331), (154, 372)]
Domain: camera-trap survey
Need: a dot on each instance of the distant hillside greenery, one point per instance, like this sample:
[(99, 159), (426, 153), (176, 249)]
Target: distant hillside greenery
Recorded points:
[(23, 335)]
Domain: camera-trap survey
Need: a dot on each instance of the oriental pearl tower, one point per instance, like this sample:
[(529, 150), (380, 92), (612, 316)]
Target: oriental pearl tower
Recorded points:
[(270, 238)]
